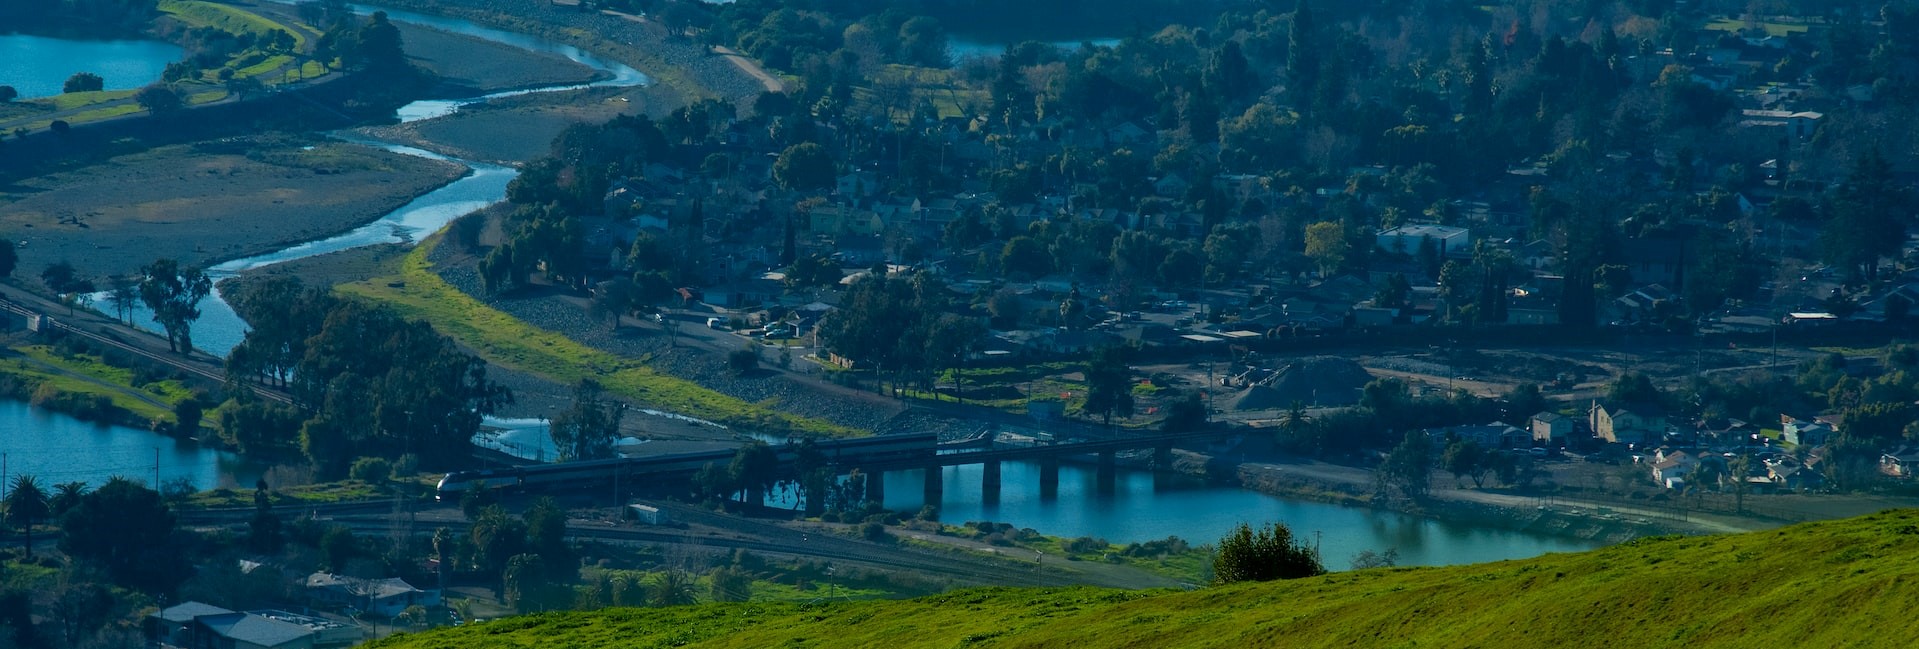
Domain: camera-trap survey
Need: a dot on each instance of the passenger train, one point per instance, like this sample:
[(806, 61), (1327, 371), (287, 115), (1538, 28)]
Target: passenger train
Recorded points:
[(849, 453)]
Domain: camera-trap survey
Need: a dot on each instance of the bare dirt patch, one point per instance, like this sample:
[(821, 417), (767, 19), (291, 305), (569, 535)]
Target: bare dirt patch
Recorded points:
[(210, 201)]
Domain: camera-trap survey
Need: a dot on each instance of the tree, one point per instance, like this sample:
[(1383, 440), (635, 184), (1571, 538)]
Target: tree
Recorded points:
[(1368, 559), (26, 505), (1326, 246), (1266, 555), (730, 584), (1524, 401), (1407, 467), (1025, 256), (755, 468), (186, 416), (83, 82), (123, 293), (173, 295), (525, 585), (263, 530), (8, 94), (9, 258), (805, 167), (128, 529), (66, 496), (587, 429), (159, 99), (241, 87), (1109, 385), (1464, 458), (1185, 412)]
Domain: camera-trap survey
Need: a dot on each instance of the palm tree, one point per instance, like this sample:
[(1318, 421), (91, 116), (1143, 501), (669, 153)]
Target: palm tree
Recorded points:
[(25, 506), (673, 588), (66, 495), (1296, 425)]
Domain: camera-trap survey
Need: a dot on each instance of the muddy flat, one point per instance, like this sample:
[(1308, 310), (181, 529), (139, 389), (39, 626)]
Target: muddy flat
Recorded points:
[(479, 66), (520, 129), (206, 202)]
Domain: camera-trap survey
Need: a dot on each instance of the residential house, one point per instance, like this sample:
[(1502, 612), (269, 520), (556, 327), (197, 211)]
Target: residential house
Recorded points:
[(1406, 239), (1798, 125), (195, 625), (1657, 260), (1787, 473), (1493, 435), (385, 597), (1902, 462), (1620, 425), (1674, 469), (1803, 432), (1551, 427)]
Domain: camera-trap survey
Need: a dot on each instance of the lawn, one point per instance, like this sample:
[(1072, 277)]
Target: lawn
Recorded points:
[(417, 292)]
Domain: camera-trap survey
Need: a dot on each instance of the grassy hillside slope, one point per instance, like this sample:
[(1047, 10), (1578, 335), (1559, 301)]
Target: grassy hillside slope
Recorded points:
[(1849, 583)]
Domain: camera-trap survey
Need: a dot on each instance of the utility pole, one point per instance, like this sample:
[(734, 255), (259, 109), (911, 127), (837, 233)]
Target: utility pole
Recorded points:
[(156, 468)]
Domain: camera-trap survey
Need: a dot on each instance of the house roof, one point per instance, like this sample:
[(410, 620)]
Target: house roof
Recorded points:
[(255, 629), (1551, 417), (187, 611)]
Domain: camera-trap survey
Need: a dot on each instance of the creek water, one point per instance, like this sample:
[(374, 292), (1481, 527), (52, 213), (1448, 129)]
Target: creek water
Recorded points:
[(37, 66)]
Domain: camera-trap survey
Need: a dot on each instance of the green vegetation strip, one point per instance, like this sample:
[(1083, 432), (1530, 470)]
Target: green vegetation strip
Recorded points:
[(507, 341), (1831, 584), (38, 378), (226, 18)]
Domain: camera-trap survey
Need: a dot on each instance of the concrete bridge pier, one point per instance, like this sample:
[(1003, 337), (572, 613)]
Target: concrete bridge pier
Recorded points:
[(935, 488), (876, 487), (1163, 458), (1048, 478), (1108, 472), (989, 483)]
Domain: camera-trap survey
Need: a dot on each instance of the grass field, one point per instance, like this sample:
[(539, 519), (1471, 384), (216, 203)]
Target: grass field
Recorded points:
[(417, 292), (317, 494), (227, 19), (1850, 583), (38, 376)]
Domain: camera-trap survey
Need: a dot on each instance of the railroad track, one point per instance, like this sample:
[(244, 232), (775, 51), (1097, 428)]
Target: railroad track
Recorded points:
[(184, 365)]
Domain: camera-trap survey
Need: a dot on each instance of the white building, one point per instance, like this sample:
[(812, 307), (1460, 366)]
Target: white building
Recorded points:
[(1406, 239)]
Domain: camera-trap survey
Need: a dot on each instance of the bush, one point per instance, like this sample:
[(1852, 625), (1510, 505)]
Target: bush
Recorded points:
[(1084, 544), (1263, 556), (372, 470), (743, 360), (875, 532)]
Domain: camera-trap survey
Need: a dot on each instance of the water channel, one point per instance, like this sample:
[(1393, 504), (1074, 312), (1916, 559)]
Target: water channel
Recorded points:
[(1140, 509), (38, 66)]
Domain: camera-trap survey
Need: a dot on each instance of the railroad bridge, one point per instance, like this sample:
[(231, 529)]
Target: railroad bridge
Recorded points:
[(1047, 455)]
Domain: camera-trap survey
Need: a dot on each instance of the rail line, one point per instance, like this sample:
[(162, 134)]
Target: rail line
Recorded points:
[(218, 376)]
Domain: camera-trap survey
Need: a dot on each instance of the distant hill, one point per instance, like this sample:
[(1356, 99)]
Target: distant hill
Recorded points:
[(1846, 583)]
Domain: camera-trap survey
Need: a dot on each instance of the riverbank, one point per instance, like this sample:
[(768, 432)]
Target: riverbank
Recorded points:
[(684, 64), (469, 66), (209, 201), (1354, 487)]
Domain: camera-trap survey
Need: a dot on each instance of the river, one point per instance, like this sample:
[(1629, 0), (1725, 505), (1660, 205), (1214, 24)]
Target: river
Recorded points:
[(1140, 509), (56, 448), (37, 66)]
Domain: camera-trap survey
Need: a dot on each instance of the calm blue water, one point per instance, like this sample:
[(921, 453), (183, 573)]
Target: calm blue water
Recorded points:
[(57, 448), (37, 65), (1142, 509)]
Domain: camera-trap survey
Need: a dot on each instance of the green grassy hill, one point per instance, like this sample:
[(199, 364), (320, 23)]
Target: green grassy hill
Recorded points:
[(1848, 583)]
